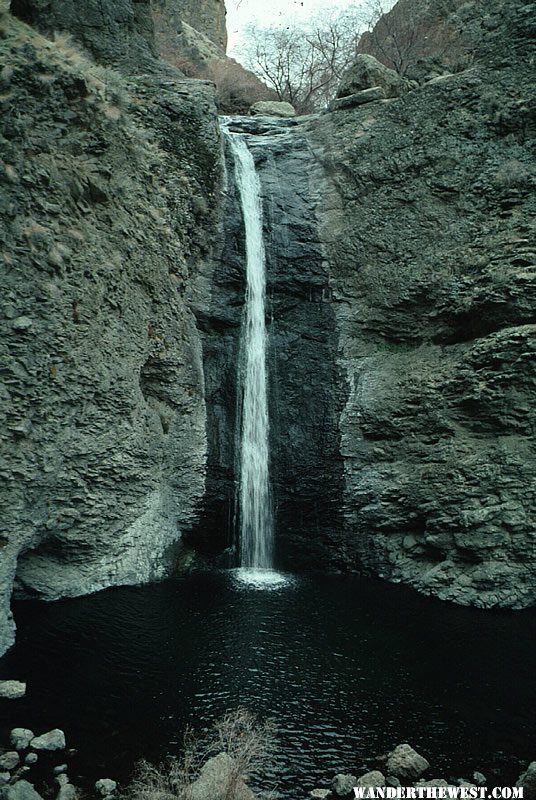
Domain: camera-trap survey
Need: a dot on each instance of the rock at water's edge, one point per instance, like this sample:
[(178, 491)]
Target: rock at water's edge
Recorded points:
[(371, 779), (52, 740), (528, 781), (22, 790), (343, 785), (405, 762), (20, 738), (12, 690), (105, 787), (215, 779)]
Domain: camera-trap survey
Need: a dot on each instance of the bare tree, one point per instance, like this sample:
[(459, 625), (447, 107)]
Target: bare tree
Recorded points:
[(303, 63)]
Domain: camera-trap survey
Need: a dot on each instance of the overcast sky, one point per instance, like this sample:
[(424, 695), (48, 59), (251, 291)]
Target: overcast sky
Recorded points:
[(265, 12)]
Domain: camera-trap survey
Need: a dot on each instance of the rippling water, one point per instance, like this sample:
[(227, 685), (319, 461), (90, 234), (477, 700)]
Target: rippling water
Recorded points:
[(347, 667)]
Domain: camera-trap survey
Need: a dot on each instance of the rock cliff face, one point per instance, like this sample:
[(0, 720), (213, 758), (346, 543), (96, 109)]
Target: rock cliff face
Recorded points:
[(109, 189), (428, 217), (207, 17), (401, 299)]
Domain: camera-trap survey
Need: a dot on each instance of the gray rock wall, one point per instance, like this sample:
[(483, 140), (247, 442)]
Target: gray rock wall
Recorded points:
[(109, 191), (428, 216), (206, 16)]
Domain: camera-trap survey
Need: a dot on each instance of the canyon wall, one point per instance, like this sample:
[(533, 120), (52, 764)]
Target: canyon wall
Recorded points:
[(108, 205), (428, 218), (401, 300)]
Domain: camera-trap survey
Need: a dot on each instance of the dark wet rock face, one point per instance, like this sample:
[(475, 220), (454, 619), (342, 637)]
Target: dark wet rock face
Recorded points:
[(305, 403), (306, 468)]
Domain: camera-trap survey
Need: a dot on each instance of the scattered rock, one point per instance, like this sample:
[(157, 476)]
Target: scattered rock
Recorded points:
[(105, 787), (21, 790), (31, 758), (269, 108), (479, 779), (392, 781), (67, 792), (60, 769), (357, 99), (12, 690), (405, 762), (214, 780), (371, 779), (528, 781), (53, 740), (343, 785), (432, 782), (5, 777), (62, 779), (367, 73), (20, 738), (9, 761), (320, 794)]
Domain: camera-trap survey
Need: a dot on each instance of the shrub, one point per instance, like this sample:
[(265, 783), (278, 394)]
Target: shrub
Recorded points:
[(239, 734)]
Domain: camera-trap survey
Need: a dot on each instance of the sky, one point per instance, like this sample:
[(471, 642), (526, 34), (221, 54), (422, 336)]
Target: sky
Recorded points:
[(266, 12)]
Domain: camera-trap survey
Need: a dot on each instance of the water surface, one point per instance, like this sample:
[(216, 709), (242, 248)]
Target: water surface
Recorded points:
[(348, 668)]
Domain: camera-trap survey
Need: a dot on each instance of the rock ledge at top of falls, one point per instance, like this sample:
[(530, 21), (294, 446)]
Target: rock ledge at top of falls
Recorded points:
[(272, 108)]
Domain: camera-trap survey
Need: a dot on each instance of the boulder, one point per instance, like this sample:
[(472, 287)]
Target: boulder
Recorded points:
[(21, 790), (479, 778), (31, 758), (343, 785), (215, 779), (9, 761), (105, 787), (5, 777), (52, 740), (528, 781), (62, 779), (272, 108), (405, 762), (371, 779), (320, 794), (357, 99), (12, 690), (366, 73), (67, 792), (20, 738)]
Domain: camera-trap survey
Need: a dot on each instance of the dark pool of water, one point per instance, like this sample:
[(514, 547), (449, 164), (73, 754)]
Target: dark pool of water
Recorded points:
[(347, 667)]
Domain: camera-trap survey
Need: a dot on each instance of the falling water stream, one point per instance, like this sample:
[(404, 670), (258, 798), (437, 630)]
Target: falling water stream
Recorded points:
[(256, 519)]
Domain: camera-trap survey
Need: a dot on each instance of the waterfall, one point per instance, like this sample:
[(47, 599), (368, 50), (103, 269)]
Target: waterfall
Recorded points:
[(255, 507)]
